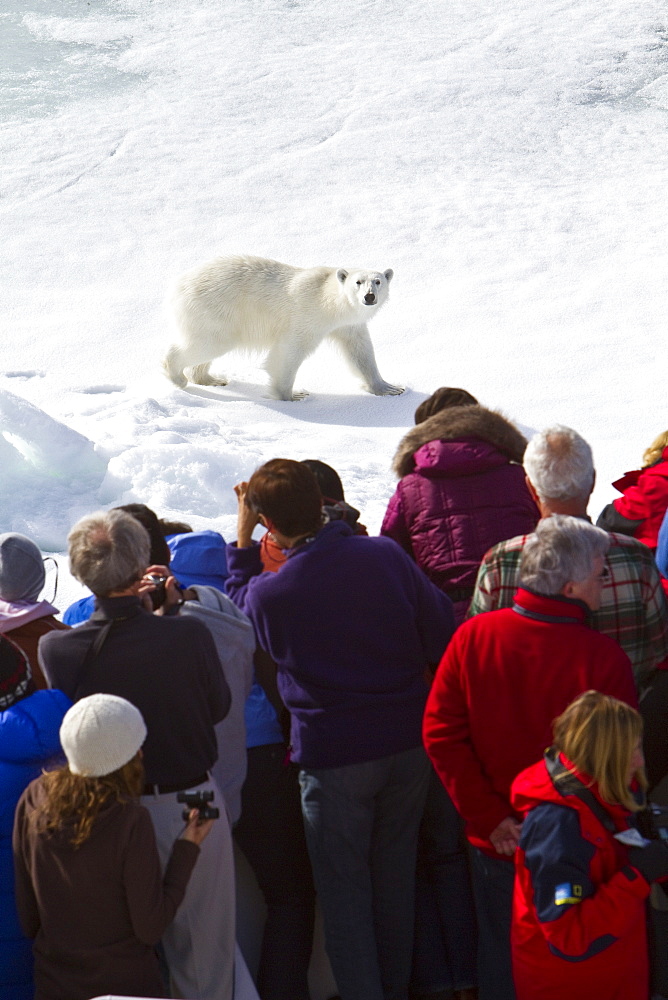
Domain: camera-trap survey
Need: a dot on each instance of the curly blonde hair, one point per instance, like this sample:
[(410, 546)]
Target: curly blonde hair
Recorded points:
[(654, 453), (75, 801)]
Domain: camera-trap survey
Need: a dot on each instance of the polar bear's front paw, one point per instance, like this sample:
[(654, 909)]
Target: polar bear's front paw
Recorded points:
[(287, 395), (385, 389)]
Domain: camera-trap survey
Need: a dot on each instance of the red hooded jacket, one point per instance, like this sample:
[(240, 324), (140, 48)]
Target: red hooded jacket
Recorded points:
[(579, 927), (645, 499)]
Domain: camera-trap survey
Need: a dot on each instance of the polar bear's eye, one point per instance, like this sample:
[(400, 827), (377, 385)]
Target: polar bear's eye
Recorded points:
[(376, 282), (358, 283)]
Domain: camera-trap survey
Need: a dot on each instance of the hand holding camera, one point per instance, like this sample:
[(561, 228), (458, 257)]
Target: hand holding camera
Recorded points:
[(197, 829), (198, 801), (159, 590), (199, 815)]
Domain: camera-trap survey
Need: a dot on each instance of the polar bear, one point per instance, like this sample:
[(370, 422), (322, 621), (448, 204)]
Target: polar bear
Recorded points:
[(254, 304)]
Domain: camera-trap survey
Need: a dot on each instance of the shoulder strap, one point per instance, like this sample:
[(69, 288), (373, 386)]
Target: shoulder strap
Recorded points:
[(567, 784), (93, 650)]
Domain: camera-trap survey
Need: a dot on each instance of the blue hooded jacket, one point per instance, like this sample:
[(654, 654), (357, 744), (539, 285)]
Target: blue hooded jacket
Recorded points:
[(29, 740)]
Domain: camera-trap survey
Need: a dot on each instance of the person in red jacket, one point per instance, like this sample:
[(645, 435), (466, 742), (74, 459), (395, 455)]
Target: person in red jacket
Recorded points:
[(641, 509), (579, 925), (502, 680)]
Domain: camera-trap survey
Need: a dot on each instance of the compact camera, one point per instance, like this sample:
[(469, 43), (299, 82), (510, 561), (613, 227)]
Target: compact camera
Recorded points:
[(198, 800), (159, 595)]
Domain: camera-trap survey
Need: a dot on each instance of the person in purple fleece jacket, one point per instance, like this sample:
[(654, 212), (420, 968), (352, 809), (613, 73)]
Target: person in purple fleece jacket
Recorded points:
[(461, 490), (352, 625)]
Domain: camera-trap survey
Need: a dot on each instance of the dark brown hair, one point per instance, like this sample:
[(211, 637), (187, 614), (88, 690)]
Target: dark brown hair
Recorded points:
[(160, 551), (287, 494), (74, 801), (328, 479), (441, 400), (174, 527)]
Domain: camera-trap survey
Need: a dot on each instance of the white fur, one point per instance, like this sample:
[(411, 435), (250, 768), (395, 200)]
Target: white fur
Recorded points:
[(255, 304)]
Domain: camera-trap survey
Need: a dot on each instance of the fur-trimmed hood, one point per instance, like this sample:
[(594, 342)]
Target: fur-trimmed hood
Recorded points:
[(461, 422)]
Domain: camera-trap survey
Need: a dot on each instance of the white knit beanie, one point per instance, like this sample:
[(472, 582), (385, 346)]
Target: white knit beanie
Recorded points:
[(100, 734)]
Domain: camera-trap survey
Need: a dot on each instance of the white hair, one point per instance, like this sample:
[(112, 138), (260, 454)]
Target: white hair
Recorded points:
[(561, 550), (559, 464)]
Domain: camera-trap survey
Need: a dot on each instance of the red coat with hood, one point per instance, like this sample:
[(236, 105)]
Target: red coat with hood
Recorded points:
[(644, 501), (579, 927)]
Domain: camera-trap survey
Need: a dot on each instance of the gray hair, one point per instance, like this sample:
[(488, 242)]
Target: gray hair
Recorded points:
[(561, 550), (108, 551), (559, 464)]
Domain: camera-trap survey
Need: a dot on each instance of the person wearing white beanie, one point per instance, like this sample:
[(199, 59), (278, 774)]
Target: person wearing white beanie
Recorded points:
[(100, 734), (89, 885)]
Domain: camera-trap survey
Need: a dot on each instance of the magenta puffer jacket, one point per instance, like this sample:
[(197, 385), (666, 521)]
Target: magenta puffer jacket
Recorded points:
[(462, 490)]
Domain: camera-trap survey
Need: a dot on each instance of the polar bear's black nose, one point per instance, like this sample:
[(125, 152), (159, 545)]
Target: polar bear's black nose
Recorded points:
[(369, 298)]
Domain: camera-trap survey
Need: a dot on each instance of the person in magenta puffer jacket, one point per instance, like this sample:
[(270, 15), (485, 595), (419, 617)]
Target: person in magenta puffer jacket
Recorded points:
[(461, 490)]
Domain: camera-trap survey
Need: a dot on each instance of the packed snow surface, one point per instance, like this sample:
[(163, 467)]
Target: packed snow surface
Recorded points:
[(508, 161)]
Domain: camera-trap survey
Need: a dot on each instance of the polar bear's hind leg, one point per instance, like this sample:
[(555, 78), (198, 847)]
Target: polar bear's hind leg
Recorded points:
[(173, 365), (200, 375)]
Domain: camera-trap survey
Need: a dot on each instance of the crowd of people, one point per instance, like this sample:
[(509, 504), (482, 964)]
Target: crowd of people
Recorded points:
[(451, 737)]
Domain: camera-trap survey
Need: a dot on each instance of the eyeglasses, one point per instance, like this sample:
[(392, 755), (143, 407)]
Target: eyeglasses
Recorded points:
[(46, 560)]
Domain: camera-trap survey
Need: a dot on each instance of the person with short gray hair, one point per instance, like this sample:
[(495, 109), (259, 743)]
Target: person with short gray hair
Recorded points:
[(562, 549), (559, 464), (109, 551), (168, 667), (633, 610), (502, 680)]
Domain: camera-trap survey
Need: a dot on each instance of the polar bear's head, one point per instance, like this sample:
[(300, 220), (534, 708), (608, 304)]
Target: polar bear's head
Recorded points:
[(365, 288)]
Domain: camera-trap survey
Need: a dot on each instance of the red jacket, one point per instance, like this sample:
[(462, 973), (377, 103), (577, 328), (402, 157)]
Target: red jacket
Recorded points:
[(579, 929), (645, 499), (503, 679)]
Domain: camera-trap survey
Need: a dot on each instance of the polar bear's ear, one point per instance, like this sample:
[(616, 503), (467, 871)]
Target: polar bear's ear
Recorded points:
[(389, 274), (341, 274)]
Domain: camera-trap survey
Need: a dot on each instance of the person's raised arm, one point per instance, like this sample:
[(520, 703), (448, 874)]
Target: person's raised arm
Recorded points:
[(247, 519), (243, 558)]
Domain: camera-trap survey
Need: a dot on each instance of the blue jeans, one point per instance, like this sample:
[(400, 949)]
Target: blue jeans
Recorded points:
[(444, 956), (361, 825), (493, 881)]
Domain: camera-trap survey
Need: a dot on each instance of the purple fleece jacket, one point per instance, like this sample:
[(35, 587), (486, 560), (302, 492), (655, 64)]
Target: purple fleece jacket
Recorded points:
[(462, 497), (352, 624)]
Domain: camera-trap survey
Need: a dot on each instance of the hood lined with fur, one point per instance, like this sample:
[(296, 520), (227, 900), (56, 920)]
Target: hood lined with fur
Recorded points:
[(461, 422)]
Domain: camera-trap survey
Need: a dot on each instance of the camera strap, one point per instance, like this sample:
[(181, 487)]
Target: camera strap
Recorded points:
[(93, 650)]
